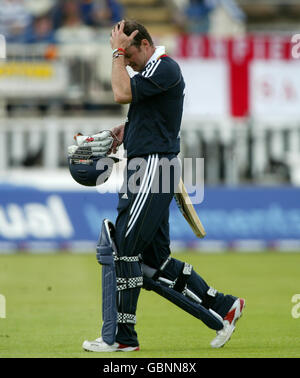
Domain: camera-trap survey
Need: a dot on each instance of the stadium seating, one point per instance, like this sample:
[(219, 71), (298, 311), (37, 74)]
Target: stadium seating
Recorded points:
[(156, 15)]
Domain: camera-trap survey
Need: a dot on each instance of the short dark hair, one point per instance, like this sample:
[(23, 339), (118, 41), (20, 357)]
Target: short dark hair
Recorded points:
[(132, 25)]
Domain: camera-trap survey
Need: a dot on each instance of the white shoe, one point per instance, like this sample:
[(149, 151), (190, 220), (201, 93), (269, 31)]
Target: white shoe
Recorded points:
[(99, 345), (229, 321)]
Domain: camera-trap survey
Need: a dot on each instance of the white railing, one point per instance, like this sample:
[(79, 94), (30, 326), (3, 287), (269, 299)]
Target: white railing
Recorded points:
[(276, 140), (21, 138), (234, 151)]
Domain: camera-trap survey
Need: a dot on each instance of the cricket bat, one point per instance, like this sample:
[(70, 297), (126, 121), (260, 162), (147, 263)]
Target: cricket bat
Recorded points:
[(187, 209)]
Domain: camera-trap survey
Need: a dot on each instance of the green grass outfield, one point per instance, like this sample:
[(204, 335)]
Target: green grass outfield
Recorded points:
[(53, 304)]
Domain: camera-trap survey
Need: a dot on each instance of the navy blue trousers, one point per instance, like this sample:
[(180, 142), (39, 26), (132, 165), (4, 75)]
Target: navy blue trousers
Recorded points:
[(142, 228)]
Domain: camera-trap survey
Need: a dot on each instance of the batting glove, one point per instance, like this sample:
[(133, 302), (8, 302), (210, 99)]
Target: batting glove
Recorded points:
[(99, 143)]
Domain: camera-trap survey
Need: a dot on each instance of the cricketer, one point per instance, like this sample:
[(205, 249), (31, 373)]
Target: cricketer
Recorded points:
[(135, 251)]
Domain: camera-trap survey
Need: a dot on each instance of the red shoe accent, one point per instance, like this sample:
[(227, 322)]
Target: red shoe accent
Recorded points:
[(123, 346), (230, 315), (242, 303)]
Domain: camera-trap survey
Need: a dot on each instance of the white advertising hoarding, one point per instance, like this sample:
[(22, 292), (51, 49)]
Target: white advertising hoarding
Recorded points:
[(275, 88), (207, 91), (33, 79)]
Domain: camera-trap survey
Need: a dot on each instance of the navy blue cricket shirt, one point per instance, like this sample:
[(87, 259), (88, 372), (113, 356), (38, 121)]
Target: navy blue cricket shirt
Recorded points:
[(155, 113)]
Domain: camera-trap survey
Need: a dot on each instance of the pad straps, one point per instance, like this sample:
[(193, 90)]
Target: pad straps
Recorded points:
[(124, 283), (158, 272), (209, 298), (128, 277), (181, 281)]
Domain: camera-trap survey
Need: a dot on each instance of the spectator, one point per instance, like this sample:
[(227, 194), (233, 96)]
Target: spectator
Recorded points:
[(41, 30), (15, 18), (72, 28), (92, 12), (101, 12), (197, 15)]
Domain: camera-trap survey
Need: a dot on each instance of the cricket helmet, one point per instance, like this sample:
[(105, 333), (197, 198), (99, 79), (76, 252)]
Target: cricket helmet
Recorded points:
[(88, 170)]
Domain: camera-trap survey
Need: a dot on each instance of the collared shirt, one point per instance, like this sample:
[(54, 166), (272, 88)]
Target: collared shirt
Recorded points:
[(155, 113)]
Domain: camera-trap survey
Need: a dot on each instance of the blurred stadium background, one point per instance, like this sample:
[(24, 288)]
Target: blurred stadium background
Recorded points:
[(242, 114)]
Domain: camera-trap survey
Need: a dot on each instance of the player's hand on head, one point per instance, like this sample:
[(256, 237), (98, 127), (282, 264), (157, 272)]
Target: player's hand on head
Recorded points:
[(119, 39)]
